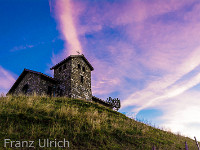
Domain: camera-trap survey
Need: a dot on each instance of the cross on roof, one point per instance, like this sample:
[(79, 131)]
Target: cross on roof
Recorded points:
[(78, 52)]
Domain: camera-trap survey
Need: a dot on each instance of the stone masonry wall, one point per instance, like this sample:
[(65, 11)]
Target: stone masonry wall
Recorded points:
[(32, 80), (35, 85), (44, 84), (79, 89), (63, 75)]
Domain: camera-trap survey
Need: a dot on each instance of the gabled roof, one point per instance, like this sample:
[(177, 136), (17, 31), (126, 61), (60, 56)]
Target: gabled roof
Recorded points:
[(23, 74), (72, 56)]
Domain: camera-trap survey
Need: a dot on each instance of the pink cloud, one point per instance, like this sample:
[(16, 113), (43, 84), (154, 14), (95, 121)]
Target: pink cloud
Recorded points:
[(65, 13), (7, 79), (109, 76), (139, 11), (166, 87)]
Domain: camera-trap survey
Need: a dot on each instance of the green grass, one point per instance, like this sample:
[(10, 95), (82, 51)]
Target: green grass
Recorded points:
[(85, 125)]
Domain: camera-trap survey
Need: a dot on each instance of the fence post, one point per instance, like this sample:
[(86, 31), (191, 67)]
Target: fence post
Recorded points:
[(186, 146), (197, 143)]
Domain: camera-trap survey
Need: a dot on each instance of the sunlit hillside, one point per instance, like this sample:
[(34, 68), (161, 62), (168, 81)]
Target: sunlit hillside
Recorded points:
[(83, 124)]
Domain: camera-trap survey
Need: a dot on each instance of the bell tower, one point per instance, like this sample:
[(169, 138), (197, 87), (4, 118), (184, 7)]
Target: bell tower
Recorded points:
[(73, 76)]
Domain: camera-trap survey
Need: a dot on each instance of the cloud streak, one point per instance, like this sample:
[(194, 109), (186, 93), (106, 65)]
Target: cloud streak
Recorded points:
[(21, 47), (166, 86), (65, 15), (6, 80)]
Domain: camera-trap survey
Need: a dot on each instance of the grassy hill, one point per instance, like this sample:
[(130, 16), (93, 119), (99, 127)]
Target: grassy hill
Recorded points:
[(84, 124)]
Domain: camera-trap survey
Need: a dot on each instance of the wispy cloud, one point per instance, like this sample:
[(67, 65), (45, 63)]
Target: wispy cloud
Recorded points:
[(65, 15), (166, 86), (6, 80), (21, 47)]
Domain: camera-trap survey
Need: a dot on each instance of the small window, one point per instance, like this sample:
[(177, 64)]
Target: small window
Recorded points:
[(81, 79), (79, 66), (61, 92), (83, 69), (25, 89), (49, 92), (64, 66), (60, 69)]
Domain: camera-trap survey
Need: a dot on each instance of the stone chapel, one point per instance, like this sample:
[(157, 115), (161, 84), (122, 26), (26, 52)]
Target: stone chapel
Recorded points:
[(72, 78)]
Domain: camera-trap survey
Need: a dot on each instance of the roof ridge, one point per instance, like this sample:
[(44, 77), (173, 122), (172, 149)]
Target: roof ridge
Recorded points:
[(71, 57), (33, 71)]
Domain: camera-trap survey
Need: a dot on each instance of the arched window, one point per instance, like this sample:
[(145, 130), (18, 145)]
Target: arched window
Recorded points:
[(25, 88)]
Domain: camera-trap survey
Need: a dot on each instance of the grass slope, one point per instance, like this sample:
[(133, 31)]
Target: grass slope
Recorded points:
[(84, 124)]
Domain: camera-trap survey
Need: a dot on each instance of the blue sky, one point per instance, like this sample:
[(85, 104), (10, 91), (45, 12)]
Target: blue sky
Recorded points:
[(144, 52), (27, 29)]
